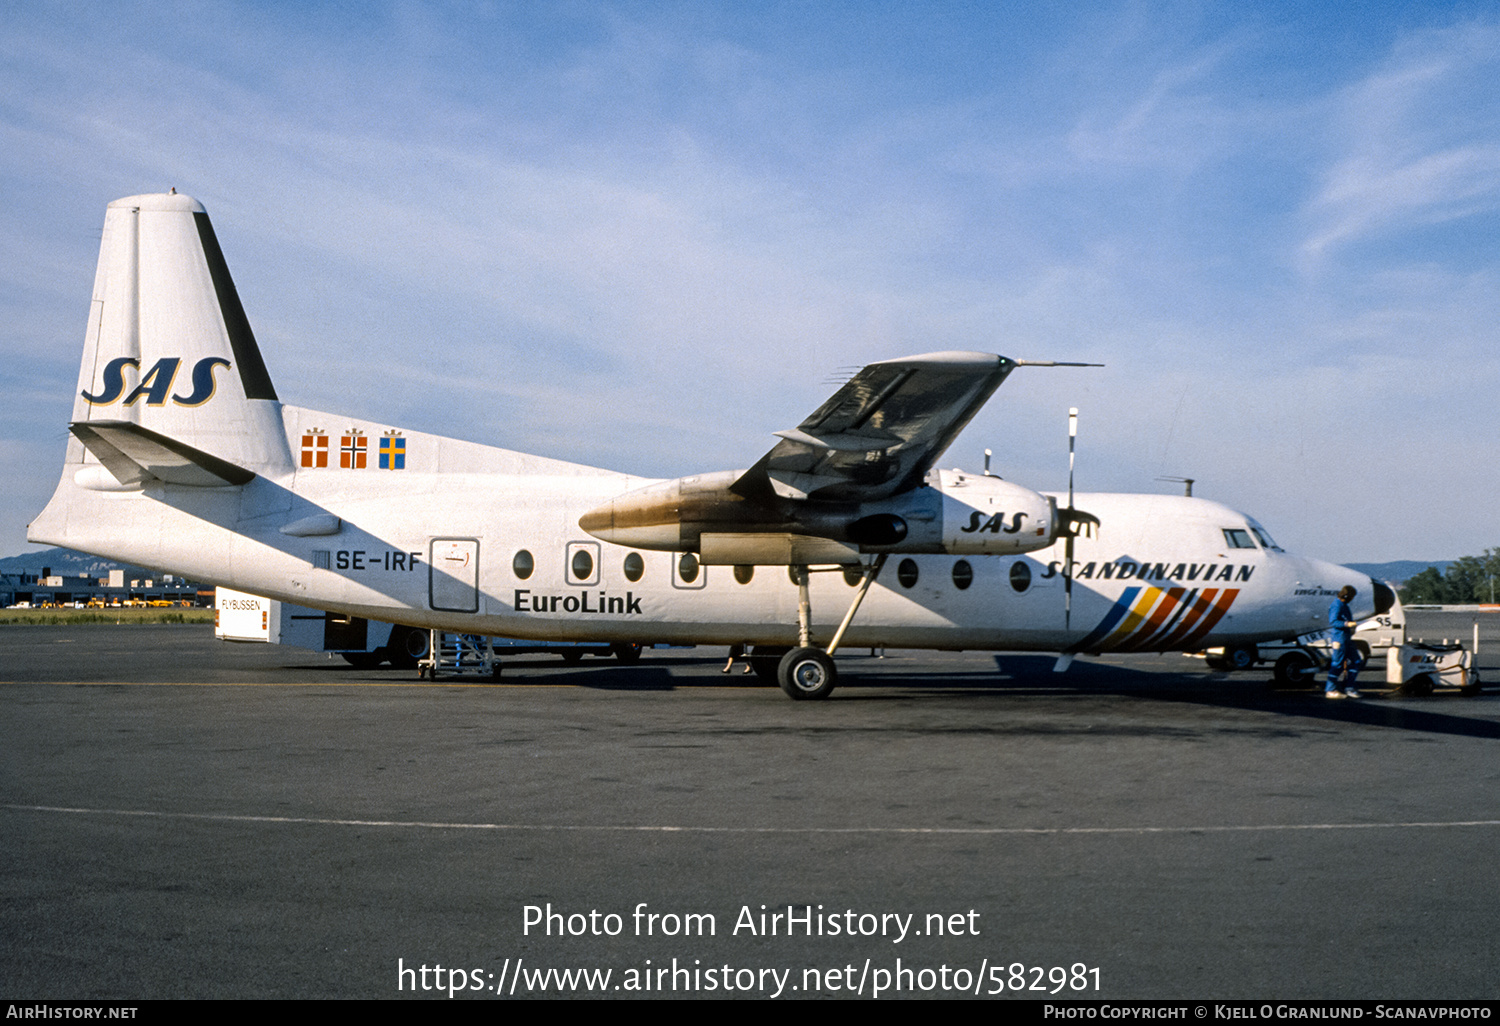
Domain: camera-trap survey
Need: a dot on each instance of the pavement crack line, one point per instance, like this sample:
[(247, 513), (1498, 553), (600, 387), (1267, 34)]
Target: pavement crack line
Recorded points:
[(222, 817)]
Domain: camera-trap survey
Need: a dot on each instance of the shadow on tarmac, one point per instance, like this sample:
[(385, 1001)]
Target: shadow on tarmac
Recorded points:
[(1251, 694), (1019, 675)]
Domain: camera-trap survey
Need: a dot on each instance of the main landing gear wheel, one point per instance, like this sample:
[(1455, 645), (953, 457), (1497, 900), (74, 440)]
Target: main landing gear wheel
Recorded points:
[(765, 660), (406, 646), (1296, 669), (807, 673)]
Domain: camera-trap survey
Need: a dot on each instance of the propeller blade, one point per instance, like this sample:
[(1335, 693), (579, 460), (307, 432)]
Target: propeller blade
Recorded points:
[(1068, 583), (1072, 437), (1068, 545)]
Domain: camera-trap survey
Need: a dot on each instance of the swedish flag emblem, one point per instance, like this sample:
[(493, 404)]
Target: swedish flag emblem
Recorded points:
[(392, 453)]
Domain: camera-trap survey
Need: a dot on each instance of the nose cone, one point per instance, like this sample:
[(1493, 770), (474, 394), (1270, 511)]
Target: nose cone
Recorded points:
[(600, 521), (649, 518), (1371, 597)]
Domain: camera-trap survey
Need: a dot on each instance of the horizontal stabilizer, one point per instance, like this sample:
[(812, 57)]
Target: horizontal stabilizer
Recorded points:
[(134, 455)]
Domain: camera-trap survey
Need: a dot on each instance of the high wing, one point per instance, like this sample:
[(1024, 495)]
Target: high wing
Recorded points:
[(881, 432), (848, 480)]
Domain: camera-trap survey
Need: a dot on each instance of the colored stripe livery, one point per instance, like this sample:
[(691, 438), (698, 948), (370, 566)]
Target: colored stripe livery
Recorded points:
[(1159, 619)]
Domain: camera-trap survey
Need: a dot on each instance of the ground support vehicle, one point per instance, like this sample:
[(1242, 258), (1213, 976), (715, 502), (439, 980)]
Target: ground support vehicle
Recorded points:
[(1420, 668)]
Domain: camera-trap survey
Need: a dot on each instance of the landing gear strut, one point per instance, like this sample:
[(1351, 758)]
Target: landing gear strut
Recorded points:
[(808, 671)]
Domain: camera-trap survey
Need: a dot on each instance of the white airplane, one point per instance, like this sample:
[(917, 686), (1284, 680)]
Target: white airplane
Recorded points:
[(182, 458)]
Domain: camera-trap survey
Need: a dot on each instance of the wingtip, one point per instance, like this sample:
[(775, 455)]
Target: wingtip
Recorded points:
[(953, 359)]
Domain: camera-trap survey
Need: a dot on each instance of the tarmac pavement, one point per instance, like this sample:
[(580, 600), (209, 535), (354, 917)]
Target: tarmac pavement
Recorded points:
[(185, 818)]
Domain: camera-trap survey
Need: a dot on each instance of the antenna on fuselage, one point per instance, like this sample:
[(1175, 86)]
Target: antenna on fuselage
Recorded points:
[(1186, 482)]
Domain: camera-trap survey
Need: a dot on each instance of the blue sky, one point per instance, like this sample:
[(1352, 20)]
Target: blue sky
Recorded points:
[(646, 235)]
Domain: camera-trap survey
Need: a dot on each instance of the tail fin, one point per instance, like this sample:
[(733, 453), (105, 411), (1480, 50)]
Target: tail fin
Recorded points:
[(169, 352)]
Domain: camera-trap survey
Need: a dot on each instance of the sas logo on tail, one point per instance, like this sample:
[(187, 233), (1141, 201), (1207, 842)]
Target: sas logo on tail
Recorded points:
[(156, 384)]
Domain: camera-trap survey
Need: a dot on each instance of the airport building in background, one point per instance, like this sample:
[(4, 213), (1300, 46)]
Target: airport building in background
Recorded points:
[(117, 588)]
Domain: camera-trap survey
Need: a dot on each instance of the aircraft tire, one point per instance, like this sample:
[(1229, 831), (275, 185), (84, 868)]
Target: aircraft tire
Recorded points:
[(1422, 684), (364, 660), (406, 646), (1296, 670), (1241, 657), (765, 660), (1360, 651), (807, 673), (627, 652), (572, 655)]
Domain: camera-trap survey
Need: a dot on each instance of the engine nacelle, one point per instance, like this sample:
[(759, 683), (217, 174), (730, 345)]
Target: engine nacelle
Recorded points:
[(964, 514), (991, 516)]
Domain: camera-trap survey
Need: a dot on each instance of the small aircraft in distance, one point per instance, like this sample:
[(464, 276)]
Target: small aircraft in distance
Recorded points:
[(181, 457)]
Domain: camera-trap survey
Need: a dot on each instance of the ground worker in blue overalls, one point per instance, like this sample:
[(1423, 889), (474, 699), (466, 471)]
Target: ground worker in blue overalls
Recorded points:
[(1346, 664)]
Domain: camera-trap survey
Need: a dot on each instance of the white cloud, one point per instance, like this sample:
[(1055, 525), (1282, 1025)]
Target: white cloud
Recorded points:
[(1416, 143)]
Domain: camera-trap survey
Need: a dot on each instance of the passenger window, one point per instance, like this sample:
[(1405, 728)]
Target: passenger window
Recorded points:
[(582, 562), (522, 565), (743, 572), (852, 574), (963, 574), (635, 566), (687, 568), (1020, 575), (1238, 538), (906, 573), (583, 565)]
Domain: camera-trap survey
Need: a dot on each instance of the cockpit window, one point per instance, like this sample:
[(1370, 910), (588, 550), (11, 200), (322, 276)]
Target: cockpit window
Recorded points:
[(1265, 539), (1238, 538)]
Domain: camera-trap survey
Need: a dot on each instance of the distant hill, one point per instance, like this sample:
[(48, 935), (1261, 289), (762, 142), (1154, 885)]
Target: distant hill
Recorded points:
[(67, 563), (1400, 571)]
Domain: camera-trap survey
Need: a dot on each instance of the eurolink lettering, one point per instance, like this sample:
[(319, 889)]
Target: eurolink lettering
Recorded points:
[(529, 602)]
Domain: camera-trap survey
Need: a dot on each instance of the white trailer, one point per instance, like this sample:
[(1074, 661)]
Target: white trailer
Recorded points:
[(1418, 668)]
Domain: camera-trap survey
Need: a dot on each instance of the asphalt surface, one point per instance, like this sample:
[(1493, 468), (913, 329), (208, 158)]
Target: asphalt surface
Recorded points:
[(183, 818)]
